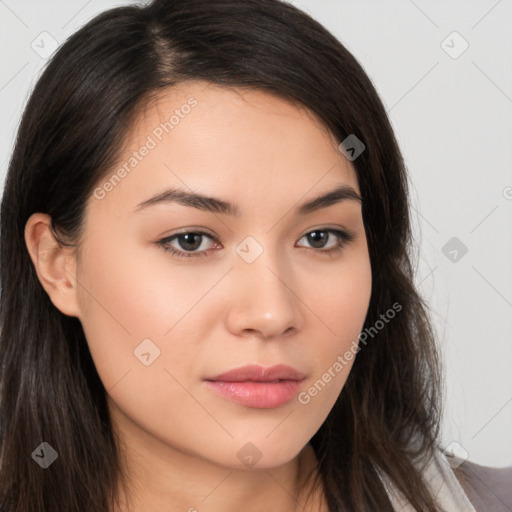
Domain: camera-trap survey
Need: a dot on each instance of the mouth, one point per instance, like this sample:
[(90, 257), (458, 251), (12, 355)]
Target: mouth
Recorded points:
[(258, 387)]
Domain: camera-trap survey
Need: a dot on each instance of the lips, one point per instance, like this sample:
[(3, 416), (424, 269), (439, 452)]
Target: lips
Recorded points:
[(256, 386), (256, 373)]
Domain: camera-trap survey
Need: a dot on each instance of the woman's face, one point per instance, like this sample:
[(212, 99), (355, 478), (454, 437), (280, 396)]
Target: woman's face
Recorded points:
[(266, 286)]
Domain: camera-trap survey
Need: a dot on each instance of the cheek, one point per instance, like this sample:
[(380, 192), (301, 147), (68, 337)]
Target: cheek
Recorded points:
[(340, 302), (120, 306), (341, 298)]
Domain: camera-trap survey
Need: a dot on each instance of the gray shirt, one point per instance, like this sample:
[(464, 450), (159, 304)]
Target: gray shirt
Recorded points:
[(489, 489)]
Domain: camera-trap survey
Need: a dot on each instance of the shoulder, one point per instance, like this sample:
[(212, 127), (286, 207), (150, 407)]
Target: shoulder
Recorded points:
[(489, 489)]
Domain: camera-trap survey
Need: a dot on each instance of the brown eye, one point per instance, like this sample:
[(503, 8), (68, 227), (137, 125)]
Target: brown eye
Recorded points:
[(187, 244), (320, 237)]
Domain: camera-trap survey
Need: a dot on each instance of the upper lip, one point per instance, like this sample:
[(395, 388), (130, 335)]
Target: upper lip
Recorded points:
[(257, 373)]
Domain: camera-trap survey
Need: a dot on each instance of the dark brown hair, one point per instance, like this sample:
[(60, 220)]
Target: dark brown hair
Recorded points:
[(75, 122)]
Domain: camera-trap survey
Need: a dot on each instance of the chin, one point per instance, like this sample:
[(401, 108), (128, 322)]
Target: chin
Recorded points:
[(259, 455)]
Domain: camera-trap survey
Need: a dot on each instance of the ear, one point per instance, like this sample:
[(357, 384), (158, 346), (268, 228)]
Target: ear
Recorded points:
[(55, 264)]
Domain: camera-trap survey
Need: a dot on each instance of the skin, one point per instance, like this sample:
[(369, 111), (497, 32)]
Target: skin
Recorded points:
[(294, 304)]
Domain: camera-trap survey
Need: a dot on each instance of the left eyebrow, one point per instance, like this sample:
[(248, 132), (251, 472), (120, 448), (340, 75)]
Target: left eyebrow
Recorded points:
[(339, 194), (216, 205)]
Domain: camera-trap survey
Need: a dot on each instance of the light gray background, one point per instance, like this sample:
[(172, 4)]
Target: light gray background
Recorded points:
[(452, 117)]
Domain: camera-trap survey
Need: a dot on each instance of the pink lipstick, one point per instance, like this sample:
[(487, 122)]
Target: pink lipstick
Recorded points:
[(258, 387)]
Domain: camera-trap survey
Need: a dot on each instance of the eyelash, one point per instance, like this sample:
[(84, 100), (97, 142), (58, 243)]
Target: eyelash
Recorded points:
[(344, 238)]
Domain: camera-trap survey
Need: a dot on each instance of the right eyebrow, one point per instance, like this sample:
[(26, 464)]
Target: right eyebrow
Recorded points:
[(193, 199)]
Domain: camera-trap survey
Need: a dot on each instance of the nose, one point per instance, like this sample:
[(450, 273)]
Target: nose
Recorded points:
[(263, 302)]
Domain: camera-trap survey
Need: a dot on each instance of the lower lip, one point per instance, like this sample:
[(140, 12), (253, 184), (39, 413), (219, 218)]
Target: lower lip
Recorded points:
[(261, 395)]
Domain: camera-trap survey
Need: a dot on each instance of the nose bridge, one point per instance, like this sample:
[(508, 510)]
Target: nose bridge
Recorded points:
[(263, 299)]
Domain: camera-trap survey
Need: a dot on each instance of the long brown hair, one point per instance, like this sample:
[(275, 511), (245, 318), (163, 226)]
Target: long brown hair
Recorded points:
[(72, 128)]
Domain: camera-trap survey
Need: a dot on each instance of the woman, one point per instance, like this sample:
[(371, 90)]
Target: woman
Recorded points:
[(207, 297)]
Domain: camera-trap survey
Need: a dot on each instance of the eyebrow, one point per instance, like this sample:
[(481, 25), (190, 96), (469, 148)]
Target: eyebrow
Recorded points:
[(215, 205)]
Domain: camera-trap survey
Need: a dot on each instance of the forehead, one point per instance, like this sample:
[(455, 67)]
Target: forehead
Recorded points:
[(247, 144)]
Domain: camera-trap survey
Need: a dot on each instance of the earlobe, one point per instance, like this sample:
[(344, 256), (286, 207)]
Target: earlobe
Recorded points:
[(54, 264)]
